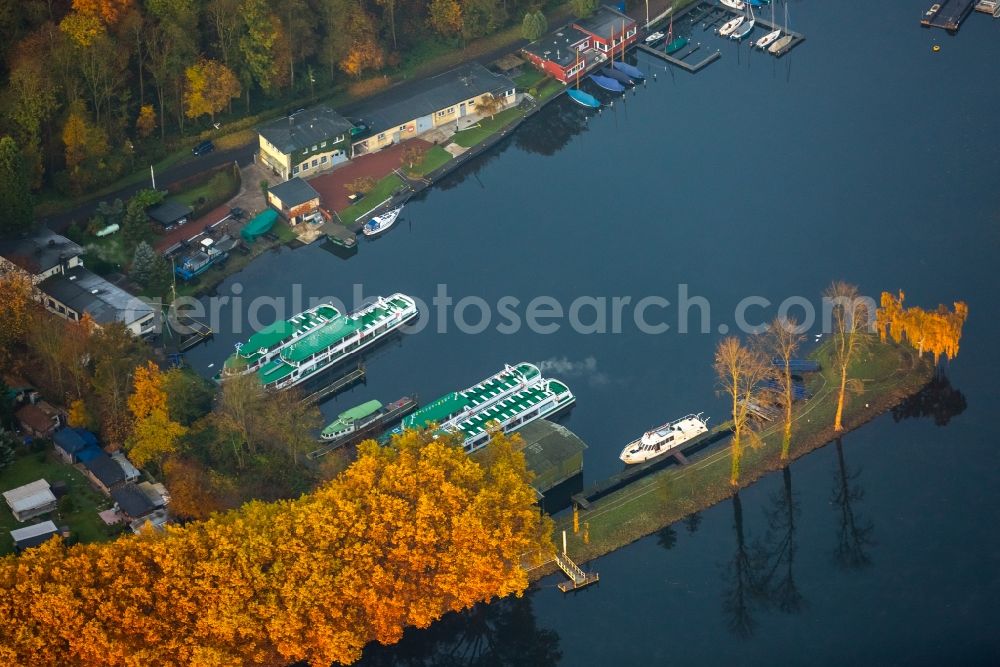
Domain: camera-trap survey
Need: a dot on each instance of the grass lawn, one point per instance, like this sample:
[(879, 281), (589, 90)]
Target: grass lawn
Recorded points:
[(549, 88), (220, 188), (87, 502), (434, 158), (486, 128), (529, 78), (382, 191)]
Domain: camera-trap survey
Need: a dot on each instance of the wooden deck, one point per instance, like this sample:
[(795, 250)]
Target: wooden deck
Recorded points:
[(577, 577), (947, 14)]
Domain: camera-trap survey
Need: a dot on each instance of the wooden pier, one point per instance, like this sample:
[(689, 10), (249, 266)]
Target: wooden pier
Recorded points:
[(947, 14), (577, 577), (339, 384), (710, 16), (677, 62), (198, 332)]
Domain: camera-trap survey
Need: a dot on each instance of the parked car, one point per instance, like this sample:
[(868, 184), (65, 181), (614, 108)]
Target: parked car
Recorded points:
[(203, 148)]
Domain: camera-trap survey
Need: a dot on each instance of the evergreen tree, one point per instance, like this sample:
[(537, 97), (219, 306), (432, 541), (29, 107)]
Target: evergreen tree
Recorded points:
[(15, 199), (8, 447), (583, 8), (160, 277), (142, 263)]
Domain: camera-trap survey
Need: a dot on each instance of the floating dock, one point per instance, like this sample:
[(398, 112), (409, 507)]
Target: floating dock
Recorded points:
[(577, 577), (947, 14), (198, 332), (638, 471), (680, 62), (711, 16), (337, 385)]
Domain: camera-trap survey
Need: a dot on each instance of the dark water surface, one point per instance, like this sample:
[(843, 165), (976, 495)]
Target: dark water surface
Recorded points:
[(862, 156)]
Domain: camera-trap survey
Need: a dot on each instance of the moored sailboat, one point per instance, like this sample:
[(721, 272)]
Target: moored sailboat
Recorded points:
[(767, 39), (744, 28), (729, 26)]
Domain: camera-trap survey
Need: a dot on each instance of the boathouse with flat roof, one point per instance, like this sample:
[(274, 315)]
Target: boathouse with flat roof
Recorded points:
[(583, 44)]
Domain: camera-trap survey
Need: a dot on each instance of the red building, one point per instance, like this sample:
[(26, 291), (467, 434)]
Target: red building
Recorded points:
[(583, 44)]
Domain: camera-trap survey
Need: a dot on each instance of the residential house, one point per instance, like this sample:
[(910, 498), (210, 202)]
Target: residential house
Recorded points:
[(306, 143), (583, 44), (39, 420), (104, 472), (79, 291), (170, 214), (132, 473), (39, 256), (397, 116), (30, 500), (132, 503), (295, 200), (65, 287), (32, 536), (69, 442)]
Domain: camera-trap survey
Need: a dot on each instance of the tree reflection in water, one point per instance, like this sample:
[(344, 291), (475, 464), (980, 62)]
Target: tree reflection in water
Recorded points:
[(938, 400), (500, 634), (743, 581), (854, 536), (775, 554), (550, 130)]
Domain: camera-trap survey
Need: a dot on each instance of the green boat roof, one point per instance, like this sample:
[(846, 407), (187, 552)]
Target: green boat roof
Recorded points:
[(345, 418), (360, 411), (279, 331), (437, 411)]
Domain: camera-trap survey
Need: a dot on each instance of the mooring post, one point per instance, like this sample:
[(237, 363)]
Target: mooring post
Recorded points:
[(564, 543), (576, 518), (586, 532)]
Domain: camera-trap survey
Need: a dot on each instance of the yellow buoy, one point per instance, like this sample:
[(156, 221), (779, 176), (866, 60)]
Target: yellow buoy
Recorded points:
[(936, 48)]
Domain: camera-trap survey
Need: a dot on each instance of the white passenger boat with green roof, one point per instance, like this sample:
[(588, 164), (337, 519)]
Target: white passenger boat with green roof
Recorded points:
[(512, 398), (291, 351)]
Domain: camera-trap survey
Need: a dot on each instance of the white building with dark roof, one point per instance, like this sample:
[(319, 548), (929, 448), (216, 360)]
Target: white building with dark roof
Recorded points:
[(305, 143)]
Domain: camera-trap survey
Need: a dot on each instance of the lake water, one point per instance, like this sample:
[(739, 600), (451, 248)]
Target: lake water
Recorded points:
[(860, 156)]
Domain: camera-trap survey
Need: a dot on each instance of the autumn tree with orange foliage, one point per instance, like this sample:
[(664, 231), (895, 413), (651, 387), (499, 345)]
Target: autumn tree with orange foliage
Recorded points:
[(211, 86), (938, 332), (404, 535)]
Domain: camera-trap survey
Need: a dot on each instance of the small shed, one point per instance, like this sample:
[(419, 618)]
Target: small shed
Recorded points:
[(104, 472), (170, 214), (69, 442), (30, 500), (32, 536), (132, 502), (295, 199)]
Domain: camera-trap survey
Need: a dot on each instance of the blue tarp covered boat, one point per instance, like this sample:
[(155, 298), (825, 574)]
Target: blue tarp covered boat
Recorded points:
[(607, 83), (585, 99), (620, 77), (632, 71)]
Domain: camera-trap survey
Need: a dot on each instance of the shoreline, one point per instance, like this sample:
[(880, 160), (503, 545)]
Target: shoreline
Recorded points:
[(665, 497)]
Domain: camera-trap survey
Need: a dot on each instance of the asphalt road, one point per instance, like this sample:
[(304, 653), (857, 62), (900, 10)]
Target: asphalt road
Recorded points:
[(185, 169)]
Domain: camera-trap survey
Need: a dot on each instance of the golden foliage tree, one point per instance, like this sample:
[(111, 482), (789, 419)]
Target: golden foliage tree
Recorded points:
[(145, 123), (108, 12), (851, 319), (210, 87), (86, 147), (488, 105), (938, 332), (154, 435), (404, 535), (782, 342), (15, 313), (740, 370), (446, 16)]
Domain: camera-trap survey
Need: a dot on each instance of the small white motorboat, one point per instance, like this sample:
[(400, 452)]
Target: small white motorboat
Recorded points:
[(382, 222), (664, 439), (729, 26), (655, 37), (734, 4)]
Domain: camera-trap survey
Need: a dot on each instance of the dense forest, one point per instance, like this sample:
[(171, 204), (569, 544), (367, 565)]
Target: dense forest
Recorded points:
[(89, 89)]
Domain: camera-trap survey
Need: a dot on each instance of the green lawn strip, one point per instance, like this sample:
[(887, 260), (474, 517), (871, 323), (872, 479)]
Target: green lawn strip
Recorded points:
[(529, 78), (217, 190), (549, 88), (433, 159), (86, 502), (382, 191), (666, 496), (486, 128)]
